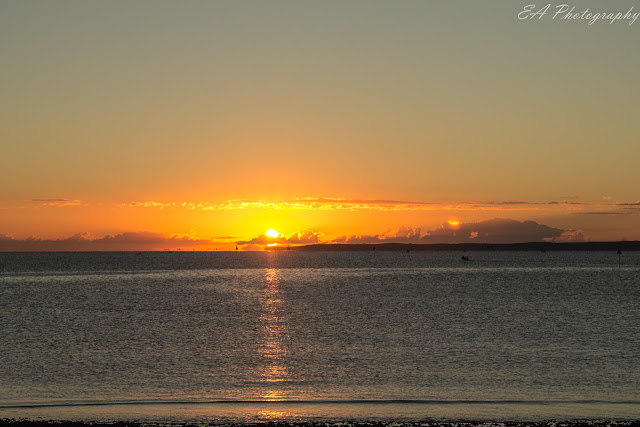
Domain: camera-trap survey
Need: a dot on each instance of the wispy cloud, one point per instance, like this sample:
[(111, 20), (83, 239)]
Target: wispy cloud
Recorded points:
[(345, 204), (599, 213), (149, 204), (327, 203), (55, 202)]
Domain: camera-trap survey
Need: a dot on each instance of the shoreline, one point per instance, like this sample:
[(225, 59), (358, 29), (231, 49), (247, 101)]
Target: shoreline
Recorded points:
[(453, 247), (299, 414), (19, 422)]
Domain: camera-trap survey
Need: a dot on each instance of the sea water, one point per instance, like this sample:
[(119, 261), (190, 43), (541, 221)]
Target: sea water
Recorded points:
[(320, 336)]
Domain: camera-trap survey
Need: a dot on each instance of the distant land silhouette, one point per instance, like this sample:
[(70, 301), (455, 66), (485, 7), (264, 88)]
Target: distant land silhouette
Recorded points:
[(530, 246)]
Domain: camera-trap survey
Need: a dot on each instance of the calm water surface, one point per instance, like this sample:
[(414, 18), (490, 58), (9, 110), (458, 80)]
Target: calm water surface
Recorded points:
[(317, 336)]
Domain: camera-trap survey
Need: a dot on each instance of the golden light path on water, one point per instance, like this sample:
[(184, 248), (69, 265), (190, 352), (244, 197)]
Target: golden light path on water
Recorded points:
[(272, 346)]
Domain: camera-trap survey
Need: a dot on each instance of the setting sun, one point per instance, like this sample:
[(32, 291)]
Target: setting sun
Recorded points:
[(272, 233)]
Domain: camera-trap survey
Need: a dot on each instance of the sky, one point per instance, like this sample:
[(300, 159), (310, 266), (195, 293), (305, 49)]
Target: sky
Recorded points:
[(202, 124)]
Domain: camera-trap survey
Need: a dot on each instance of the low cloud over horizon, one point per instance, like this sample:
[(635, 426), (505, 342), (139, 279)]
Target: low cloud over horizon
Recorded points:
[(306, 237), (490, 231), (128, 241), (499, 230)]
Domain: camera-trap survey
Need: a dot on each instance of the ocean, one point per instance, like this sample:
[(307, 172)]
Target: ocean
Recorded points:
[(246, 337)]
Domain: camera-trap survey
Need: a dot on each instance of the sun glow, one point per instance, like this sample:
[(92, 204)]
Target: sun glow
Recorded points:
[(272, 233)]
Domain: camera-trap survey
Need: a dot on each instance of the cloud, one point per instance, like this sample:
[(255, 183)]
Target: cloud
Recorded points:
[(598, 213), (570, 236), (56, 202), (263, 239), (407, 235), (375, 238), (566, 202), (340, 204), (344, 204), (403, 234), (150, 204), (492, 231), (306, 237), (310, 203), (129, 241), (489, 231), (511, 203)]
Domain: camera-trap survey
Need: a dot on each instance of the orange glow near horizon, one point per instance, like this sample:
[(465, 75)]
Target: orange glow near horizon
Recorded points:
[(181, 225)]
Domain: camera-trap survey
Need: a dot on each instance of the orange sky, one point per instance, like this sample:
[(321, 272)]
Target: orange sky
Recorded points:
[(210, 226), (204, 124)]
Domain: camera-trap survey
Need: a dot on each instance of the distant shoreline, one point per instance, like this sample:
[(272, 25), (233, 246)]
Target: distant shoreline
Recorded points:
[(530, 246), (404, 247)]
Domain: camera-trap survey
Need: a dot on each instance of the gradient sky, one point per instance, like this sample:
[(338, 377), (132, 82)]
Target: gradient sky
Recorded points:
[(213, 121)]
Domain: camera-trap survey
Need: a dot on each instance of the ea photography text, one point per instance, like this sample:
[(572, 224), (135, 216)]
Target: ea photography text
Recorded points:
[(566, 12)]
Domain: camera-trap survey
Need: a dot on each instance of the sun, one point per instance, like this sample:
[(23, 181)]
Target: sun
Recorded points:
[(272, 233), (454, 222)]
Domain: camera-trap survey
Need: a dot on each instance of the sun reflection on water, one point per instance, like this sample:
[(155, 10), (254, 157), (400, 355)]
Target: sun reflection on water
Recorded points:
[(272, 346), (270, 415), (273, 395)]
